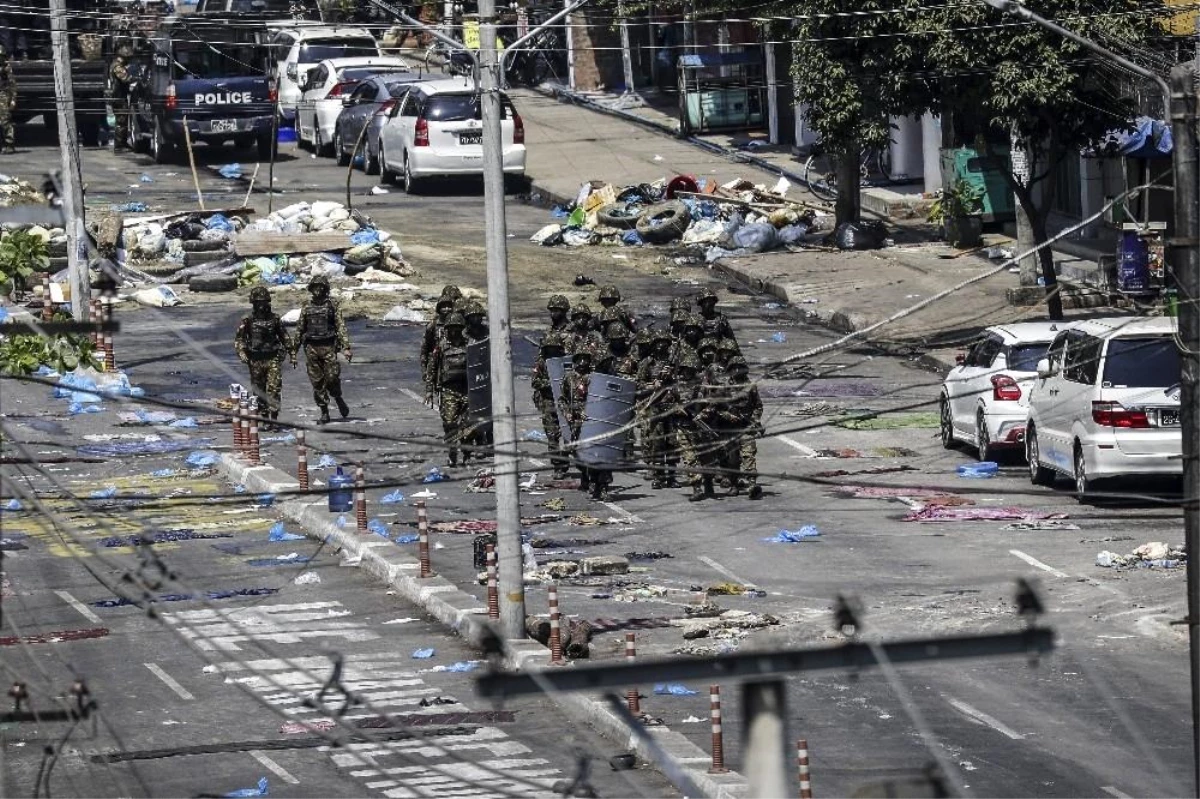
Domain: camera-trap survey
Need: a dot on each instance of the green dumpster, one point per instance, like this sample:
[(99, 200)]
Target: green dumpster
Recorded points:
[(966, 163)]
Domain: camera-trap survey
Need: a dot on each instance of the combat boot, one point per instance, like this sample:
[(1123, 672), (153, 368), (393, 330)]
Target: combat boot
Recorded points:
[(343, 408), (697, 493), (708, 486), (453, 457), (324, 414), (734, 488), (755, 491)]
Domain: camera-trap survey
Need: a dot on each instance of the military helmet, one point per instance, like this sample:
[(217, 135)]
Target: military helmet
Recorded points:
[(688, 361), (125, 51), (680, 317), (737, 362), (461, 304), (728, 345), (644, 336), (474, 308), (584, 351), (707, 343), (558, 303), (455, 320), (453, 292), (581, 310), (616, 332), (318, 281), (608, 315), (610, 292), (706, 296), (681, 304), (260, 294), (444, 303), (694, 321), (553, 338), (662, 335)]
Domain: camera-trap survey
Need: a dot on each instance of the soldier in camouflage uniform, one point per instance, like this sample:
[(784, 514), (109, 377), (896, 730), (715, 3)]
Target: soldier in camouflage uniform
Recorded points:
[(433, 333), (553, 346), (574, 402), (688, 341), (694, 434), (707, 352), (581, 334), (716, 324), (610, 300), (559, 306), (260, 343), (726, 348), (8, 103), (322, 333), (448, 368), (476, 317), (121, 81), (681, 304), (478, 432), (621, 360), (656, 400), (739, 418), (643, 343)]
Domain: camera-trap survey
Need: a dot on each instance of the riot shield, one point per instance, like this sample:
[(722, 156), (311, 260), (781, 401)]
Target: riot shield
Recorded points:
[(607, 417), (558, 368), (479, 391)]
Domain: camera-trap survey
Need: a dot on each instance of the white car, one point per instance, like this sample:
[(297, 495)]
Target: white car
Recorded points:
[(985, 398), (299, 47), (436, 131), (1106, 403), (325, 88)]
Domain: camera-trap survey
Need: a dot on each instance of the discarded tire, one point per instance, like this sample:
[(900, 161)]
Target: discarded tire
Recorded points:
[(663, 223), (158, 268), (618, 215), (200, 245), (213, 283)]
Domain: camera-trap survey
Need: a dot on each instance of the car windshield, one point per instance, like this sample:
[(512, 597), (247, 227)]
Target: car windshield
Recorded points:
[(1024, 357), (197, 57), (398, 89), (317, 50), (1142, 363)]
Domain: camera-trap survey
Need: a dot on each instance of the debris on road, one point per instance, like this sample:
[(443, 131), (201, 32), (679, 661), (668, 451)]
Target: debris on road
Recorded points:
[(887, 421), (944, 513), (673, 689), (1152, 555), (805, 533), (1050, 524)]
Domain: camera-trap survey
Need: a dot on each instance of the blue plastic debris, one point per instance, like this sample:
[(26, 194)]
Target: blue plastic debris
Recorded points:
[(408, 538), (146, 178), (365, 236), (794, 536), (118, 449), (231, 171), (279, 534), (265, 500), (201, 458), (392, 498), (673, 689), (277, 561), (423, 654), (239, 489), (76, 408), (341, 521), (978, 471), (778, 338), (13, 504), (43, 370), (460, 666), (285, 439), (131, 207), (154, 417), (434, 475), (188, 422), (325, 462), (108, 492), (84, 397), (258, 790), (534, 435), (164, 473), (377, 527), (558, 212), (631, 238)]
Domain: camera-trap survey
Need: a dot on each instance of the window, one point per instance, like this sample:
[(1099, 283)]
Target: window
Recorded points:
[(410, 107), (1055, 353), (1024, 357), (1148, 362), (988, 351), (1083, 358), (217, 53), (452, 108), (363, 93), (315, 50)]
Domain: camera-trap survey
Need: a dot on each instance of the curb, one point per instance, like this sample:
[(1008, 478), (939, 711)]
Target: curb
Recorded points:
[(467, 616)]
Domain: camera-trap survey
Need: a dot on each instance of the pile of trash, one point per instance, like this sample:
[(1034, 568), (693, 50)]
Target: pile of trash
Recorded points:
[(14, 191), (736, 218), (1153, 555)]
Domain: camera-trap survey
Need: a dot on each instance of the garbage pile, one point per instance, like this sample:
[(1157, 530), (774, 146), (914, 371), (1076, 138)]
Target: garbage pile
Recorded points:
[(1152, 555), (14, 191), (736, 218)]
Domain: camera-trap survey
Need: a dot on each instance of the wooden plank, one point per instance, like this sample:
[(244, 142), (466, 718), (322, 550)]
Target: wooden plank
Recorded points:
[(256, 243)]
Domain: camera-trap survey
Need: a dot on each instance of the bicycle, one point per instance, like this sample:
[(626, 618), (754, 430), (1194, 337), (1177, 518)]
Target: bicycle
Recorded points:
[(820, 170)]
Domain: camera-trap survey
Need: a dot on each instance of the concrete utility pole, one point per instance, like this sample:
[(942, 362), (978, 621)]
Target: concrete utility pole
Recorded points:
[(72, 175), (626, 55), (504, 419)]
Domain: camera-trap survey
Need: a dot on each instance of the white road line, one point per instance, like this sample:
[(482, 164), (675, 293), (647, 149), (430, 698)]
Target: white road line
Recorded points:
[(414, 396), (279, 770), (615, 508), (158, 672), (83, 609), (984, 718), (1111, 791), (806, 450), (1037, 564), (724, 571)]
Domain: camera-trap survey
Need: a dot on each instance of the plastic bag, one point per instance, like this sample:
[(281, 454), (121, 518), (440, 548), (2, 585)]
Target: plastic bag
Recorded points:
[(434, 475), (423, 654), (157, 297), (366, 236), (261, 789), (673, 689), (392, 498), (308, 578), (201, 458), (231, 171), (859, 236), (407, 538), (548, 236), (793, 234), (978, 471), (278, 533), (794, 536), (758, 237)]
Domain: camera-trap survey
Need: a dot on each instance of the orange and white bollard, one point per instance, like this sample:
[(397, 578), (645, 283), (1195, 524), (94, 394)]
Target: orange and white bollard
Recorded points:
[(556, 652), (493, 592), (95, 318), (47, 303), (235, 419), (301, 461), (110, 354), (253, 452), (360, 498), (802, 764), (244, 416), (631, 696), (718, 736), (423, 539)]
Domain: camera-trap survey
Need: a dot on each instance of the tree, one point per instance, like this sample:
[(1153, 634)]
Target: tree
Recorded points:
[(1014, 84)]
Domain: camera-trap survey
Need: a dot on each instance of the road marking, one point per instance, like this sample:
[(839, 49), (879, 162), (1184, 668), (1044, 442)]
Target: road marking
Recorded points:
[(408, 392), (1037, 564), (615, 508), (83, 609), (170, 682), (984, 718), (807, 451), (725, 571), (1111, 791), (279, 770)]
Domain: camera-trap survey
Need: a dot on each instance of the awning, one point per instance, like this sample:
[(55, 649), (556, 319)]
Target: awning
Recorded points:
[(1149, 138)]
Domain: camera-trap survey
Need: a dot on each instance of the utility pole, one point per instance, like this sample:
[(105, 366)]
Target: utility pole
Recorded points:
[(504, 419), (626, 55), (569, 33), (72, 175)]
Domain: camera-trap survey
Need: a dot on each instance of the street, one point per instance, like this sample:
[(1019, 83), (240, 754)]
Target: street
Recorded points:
[(188, 707)]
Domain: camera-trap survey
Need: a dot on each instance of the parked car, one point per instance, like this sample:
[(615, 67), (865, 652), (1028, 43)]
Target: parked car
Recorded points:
[(368, 106), (985, 398), (436, 131), (298, 48), (325, 87), (1106, 403)]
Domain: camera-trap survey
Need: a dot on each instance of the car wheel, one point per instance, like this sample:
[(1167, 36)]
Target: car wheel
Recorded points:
[(385, 170), (945, 423), (371, 162), (319, 146), (1039, 475), (137, 142), (410, 182), (1085, 487), (983, 439), (339, 148), (160, 149)]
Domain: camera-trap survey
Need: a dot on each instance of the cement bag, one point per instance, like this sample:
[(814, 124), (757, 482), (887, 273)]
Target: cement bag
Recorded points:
[(157, 297)]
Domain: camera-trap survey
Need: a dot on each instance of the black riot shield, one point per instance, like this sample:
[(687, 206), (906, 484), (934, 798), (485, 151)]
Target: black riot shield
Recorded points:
[(558, 368), (607, 418), (479, 390)]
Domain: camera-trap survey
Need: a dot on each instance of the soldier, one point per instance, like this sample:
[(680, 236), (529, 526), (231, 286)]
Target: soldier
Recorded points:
[(559, 306), (689, 340), (643, 343), (121, 82), (260, 343), (433, 330), (8, 102), (574, 402), (681, 304), (477, 326), (716, 324), (707, 351), (610, 298), (656, 398), (619, 359), (322, 333), (726, 348), (679, 320), (553, 346), (694, 434), (448, 368), (740, 420), (581, 333), (478, 436)]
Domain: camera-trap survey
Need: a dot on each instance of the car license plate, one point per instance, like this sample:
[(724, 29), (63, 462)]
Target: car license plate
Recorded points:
[(1168, 418), (474, 137), (223, 126)]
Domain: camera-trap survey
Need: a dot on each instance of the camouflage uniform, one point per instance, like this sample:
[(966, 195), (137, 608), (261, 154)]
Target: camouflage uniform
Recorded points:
[(581, 333), (120, 81), (694, 433), (574, 403), (559, 308), (621, 360), (739, 417), (322, 333), (477, 325), (687, 343), (260, 343), (8, 103), (449, 372), (656, 398), (610, 300), (681, 305), (433, 334), (543, 399), (478, 430), (715, 324)]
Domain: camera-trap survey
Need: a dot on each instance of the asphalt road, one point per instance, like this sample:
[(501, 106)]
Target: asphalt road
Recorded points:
[(1106, 714)]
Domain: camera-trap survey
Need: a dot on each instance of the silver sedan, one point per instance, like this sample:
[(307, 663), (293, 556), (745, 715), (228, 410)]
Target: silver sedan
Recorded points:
[(367, 109)]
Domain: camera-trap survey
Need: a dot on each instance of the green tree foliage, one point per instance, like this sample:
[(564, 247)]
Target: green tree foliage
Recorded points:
[(21, 254)]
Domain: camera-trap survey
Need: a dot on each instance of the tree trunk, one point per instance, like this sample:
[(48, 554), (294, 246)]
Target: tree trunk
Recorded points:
[(1037, 224), (1025, 241), (848, 207)]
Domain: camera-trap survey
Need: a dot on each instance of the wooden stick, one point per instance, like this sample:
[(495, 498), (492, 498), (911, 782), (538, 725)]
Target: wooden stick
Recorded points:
[(252, 179), (187, 138), (716, 198)]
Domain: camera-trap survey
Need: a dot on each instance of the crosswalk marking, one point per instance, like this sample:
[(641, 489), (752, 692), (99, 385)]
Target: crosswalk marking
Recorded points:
[(226, 629)]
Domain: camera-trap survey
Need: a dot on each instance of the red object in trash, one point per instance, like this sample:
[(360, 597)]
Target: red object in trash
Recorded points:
[(682, 183)]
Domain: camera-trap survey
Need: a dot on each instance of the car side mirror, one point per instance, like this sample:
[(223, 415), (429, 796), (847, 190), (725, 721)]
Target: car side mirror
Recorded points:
[(1043, 368), (961, 358)]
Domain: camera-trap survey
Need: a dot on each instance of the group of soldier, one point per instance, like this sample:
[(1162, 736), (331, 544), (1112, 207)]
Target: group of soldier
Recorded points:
[(696, 409), (458, 322)]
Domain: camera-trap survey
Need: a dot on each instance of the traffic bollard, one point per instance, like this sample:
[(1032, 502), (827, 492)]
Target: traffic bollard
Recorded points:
[(94, 317), (556, 658), (301, 461), (423, 539), (360, 498), (244, 415), (802, 762), (253, 452), (235, 419), (493, 594), (110, 355), (47, 303), (631, 696), (718, 737)]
